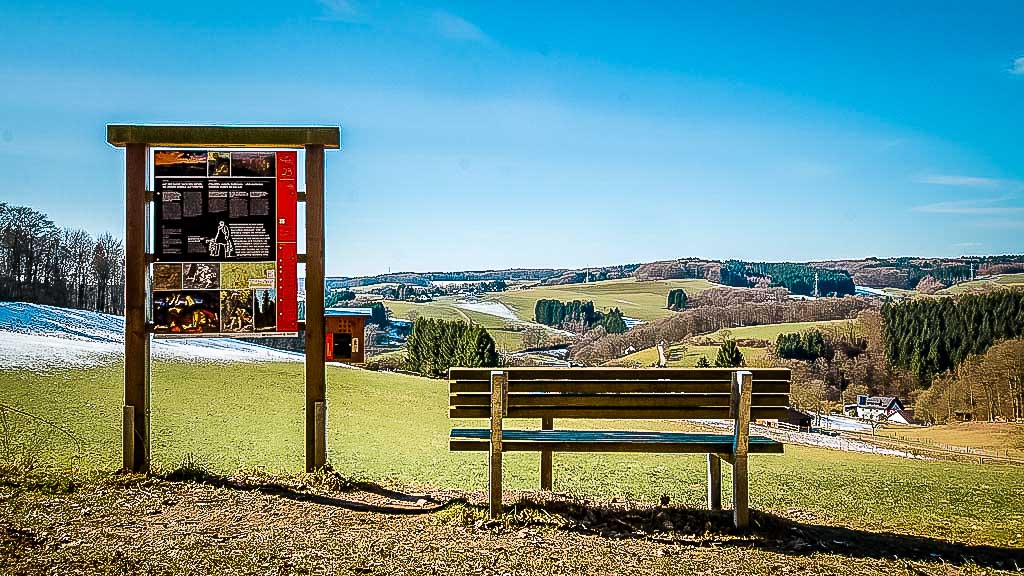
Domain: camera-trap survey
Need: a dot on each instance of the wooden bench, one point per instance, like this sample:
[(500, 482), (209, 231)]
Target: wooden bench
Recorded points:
[(620, 393)]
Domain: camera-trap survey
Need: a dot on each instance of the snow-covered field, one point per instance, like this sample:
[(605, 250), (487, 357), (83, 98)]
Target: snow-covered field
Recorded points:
[(814, 439), (40, 337), (487, 307)]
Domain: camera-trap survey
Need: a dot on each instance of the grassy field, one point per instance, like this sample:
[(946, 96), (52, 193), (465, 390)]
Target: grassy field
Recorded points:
[(771, 332), (504, 331), (1001, 437), (986, 285), (680, 356), (642, 300), (393, 428)]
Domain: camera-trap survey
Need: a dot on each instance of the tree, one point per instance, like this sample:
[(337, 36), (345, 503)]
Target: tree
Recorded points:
[(436, 345), (677, 299), (378, 314), (613, 322), (729, 355), (702, 362)]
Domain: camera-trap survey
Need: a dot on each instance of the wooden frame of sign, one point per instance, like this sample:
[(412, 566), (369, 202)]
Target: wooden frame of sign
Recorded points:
[(137, 140)]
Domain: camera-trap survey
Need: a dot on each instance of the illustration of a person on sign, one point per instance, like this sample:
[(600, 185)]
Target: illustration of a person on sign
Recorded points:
[(222, 241)]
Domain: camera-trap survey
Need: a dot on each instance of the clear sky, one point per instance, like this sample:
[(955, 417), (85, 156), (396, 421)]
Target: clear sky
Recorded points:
[(555, 134)]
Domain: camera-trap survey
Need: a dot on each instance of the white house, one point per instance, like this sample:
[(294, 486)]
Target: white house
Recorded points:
[(879, 408)]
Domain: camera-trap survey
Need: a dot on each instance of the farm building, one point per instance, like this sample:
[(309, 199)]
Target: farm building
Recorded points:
[(799, 418), (879, 408)]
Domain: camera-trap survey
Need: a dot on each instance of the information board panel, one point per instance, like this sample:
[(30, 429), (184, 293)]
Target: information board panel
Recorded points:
[(224, 243)]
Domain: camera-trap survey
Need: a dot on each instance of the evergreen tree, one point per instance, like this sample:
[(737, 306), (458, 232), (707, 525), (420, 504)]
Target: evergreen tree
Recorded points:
[(729, 355), (378, 315), (436, 345), (677, 299), (702, 362), (613, 322)]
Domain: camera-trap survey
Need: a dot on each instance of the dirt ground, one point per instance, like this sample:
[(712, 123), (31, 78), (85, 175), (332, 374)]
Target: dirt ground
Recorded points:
[(326, 525)]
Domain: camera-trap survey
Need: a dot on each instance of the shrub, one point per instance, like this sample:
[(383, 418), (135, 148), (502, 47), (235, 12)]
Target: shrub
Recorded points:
[(436, 345)]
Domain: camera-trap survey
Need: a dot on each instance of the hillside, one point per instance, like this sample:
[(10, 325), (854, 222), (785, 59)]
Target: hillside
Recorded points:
[(46, 337), (640, 300), (903, 272)]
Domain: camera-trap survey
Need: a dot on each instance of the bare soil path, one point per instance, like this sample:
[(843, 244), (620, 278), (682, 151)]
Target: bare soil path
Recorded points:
[(259, 525)]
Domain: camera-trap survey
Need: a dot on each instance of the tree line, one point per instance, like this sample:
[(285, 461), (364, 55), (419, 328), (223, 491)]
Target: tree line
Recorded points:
[(577, 316), (928, 336), (797, 278), (46, 264), (598, 347), (989, 386), (436, 345)]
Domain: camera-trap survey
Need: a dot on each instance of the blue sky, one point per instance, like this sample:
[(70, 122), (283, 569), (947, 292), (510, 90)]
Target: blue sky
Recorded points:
[(489, 135)]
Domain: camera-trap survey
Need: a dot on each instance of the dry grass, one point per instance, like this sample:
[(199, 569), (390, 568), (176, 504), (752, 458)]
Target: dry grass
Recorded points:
[(997, 437), (327, 525)]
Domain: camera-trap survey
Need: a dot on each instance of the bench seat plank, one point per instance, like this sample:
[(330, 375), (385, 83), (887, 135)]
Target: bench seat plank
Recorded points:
[(602, 373), (638, 400), (684, 413), (477, 439), (619, 386)]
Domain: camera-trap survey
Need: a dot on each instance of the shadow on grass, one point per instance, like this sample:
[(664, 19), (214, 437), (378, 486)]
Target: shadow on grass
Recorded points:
[(669, 525), (318, 489), (683, 526)]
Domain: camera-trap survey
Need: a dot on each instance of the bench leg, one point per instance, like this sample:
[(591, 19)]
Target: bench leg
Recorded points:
[(494, 483), (740, 511), (545, 456), (714, 482)]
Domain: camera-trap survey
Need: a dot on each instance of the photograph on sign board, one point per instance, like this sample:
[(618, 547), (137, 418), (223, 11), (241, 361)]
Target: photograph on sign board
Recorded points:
[(236, 311), (219, 164), (167, 277), (260, 164), (265, 307), (238, 275), (201, 276), (179, 163), (186, 312)]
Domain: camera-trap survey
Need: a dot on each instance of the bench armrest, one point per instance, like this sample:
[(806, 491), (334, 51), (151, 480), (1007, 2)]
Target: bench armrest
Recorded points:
[(742, 389), (499, 405)]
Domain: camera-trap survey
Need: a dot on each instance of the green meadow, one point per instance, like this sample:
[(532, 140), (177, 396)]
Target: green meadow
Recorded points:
[(642, 300), (392, 428)]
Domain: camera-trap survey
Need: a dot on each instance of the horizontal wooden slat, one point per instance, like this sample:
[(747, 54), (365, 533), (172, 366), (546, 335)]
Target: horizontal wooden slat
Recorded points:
[(597, 386), (532, 373), (617, 400), (224, 136), (607, 441), (762, 413)]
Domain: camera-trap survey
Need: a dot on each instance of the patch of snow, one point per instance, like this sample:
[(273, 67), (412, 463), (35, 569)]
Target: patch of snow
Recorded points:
[(626, 302), (630, 322), (840, 423), (498, 309), (815, 439), (40, 337)]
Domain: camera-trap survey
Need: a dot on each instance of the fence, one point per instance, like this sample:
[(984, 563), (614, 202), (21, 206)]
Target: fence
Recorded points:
[(933, 449)]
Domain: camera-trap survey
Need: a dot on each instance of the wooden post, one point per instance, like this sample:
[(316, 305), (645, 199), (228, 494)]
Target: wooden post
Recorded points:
[(316, 389), (499, 383), (714, 482), (128, 437), (136, 337), (545, 456), (320, 415), (742, 384)]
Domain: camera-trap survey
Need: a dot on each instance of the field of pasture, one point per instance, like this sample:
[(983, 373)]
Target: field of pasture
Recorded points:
[(640, 300), (392, 429)]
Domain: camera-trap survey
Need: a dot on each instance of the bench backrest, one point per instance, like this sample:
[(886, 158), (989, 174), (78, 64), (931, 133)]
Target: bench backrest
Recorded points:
[(621, 393)]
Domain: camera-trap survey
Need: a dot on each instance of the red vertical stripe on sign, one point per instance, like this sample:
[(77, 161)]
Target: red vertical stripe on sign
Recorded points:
[(287, 259)]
